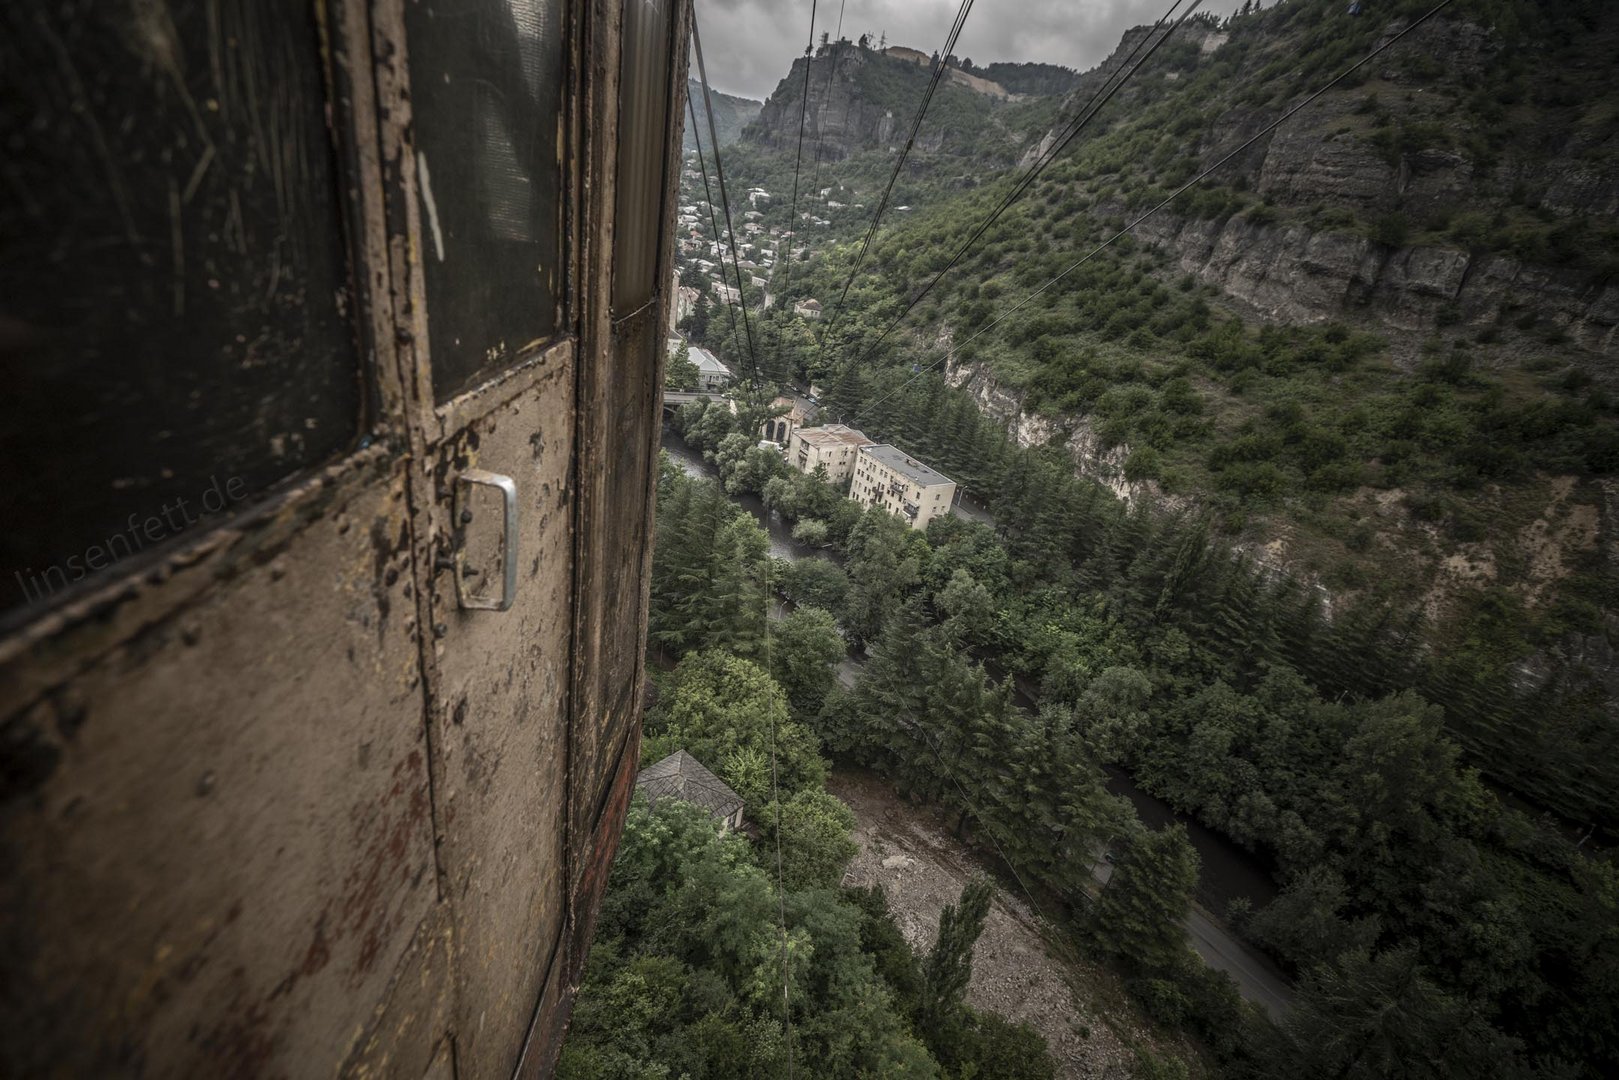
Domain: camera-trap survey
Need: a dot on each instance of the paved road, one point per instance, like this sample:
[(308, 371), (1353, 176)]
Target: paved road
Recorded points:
[(968, 511), (1256, 977)]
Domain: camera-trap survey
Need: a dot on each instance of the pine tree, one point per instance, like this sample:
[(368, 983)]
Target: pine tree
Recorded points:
[(949, 966), (1139, 913)]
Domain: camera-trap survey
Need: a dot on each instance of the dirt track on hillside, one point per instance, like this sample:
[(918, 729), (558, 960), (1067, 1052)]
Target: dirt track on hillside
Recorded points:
[(922, 867)]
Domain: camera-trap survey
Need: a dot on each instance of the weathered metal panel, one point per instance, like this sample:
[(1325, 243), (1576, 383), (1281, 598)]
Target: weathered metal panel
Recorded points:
[(619, 386), (223, 848), (175, 301), (594, 874), (409, 1035), (226, 799), (501, 718), (549, 1028)]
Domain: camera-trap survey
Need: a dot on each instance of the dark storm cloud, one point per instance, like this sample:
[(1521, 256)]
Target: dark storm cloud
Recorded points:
[(749, 44)]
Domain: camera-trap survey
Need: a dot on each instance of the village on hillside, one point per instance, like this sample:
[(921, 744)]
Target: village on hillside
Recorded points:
[(870, 473)]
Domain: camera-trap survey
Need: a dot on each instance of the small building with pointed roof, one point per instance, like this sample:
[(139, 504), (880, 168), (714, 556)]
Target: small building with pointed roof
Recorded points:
[(681, 776)]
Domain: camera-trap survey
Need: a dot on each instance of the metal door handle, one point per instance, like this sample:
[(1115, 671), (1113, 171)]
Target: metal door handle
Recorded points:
[(508, 558)]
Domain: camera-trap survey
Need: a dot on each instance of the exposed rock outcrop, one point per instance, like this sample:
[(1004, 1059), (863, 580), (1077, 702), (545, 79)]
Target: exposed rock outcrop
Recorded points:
[(1290, 273), (1092, 457)]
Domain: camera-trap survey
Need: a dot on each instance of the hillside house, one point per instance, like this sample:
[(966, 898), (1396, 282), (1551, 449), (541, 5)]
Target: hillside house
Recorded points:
[(779, 429), (833, 447), (807, 309), (681, 776), (712, 376)]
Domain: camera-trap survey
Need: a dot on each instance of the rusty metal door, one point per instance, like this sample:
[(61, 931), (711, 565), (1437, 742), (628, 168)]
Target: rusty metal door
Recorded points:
[(216, 811), (331, 342), (485, 178)]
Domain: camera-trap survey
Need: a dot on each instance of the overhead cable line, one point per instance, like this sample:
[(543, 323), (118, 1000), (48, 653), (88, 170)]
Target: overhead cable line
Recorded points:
[(775, 789), (696, 130), (1103, 95), (798, 157), (725, 199), (820, 123), (1177, 193), (939, 68), (767, 593)]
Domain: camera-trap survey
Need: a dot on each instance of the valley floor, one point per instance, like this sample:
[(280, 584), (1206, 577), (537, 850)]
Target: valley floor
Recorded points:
[(921, 867)]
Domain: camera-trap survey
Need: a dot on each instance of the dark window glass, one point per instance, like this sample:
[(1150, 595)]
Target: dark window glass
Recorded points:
[(173, 276), (486, 89), (642, 147)]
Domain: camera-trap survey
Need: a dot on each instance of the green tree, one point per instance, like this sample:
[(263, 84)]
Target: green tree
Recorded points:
[(968, 608), (805, 648), (1366, 1016), (727, 712), (1110, 714), (1139, 914), (884, 562), (1307, 922), (708, 569), (948, 967), (811, 532), (815, 583), (816, 845), (680, 372)]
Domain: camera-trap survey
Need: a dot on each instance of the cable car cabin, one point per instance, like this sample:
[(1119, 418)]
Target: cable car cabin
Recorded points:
[(331, 364)]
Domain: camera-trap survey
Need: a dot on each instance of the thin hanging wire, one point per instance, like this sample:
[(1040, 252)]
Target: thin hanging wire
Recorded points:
[(708, 193), (725, 199)]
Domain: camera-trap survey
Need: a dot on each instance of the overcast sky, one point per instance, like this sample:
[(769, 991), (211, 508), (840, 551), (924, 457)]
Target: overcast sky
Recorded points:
[(749, 44)]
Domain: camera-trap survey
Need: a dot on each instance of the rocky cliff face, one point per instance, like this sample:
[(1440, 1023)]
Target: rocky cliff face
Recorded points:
[(840, 119), (1092, 458), (1295, 274), (862, 99), (1364, 192)]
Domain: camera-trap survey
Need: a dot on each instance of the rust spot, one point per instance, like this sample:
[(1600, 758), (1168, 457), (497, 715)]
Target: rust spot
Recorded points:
[(319, 953), (241, 1044), (383, 835)]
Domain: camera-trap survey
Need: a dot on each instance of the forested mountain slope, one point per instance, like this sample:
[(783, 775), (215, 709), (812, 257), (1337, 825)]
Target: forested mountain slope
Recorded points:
[(1374, 348), (1329, 567)]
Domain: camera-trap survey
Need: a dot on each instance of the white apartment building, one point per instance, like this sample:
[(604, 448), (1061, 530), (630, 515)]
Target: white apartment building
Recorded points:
[(712, 375), (888, 477), (833, 446)]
